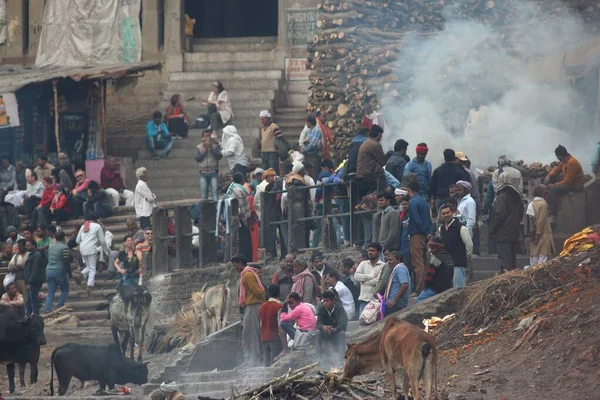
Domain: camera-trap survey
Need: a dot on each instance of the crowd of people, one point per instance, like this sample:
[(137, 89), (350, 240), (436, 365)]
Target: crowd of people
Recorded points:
[(44, 253)]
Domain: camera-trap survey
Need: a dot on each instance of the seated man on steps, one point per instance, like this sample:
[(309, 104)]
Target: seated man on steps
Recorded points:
[(332, 321), (572, 180), (158, 137), (112, 182)]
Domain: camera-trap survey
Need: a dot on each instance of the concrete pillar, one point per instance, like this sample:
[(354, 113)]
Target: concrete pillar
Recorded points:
[(174, 33), (36, 21), (160, 252), (183, 242), (208, 240), (150, 29), (14, 42)]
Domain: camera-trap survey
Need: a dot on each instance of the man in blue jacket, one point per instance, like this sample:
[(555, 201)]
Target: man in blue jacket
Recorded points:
[(420, 228)]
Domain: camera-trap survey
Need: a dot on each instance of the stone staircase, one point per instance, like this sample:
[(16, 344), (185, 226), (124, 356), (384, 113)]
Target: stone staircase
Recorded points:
[(246, 67), (89, 309), (222, 384)]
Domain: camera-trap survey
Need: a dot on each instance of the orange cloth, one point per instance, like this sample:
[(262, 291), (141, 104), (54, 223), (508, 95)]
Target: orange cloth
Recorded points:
[(252, 290), (581, 241), (571, 171)]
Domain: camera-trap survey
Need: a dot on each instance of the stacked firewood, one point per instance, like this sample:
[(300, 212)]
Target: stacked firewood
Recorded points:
[(357, 53), (306, 384)]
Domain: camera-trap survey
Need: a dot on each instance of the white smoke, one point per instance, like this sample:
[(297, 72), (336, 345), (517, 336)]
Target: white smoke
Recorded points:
[(470, 64)]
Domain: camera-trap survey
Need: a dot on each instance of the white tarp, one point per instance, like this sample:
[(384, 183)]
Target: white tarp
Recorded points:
[(90, 32), (2, 21)]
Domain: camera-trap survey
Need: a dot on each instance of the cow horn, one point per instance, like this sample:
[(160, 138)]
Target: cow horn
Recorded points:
[(204, 287)]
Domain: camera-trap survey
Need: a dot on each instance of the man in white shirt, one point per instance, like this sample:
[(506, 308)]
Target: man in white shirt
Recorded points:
[(332, 279), (367, 273), (90, 237), (466, 205), (144, 199)]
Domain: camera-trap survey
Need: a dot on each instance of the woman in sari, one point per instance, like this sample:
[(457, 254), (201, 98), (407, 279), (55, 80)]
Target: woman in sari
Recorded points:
[(176, 118)]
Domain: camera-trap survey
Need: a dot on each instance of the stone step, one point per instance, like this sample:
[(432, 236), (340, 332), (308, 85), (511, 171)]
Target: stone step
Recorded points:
[(195, 107), (228, 66), (231, 85), (234, 44), (234, 96), (82, 295), (217, 376), (225, 75), (87, 305), (91, 315), (290, 110), (219, 57)]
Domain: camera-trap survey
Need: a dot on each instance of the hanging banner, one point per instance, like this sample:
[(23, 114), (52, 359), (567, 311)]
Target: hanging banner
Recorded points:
[(2, 21), (9, 111), (90, 32)]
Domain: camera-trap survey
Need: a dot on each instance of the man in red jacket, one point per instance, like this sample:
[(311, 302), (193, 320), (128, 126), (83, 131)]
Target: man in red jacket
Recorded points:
[(112, 183)]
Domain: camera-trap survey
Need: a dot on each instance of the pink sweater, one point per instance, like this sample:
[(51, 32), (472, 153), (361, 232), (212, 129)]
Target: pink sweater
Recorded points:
[(303, 316)]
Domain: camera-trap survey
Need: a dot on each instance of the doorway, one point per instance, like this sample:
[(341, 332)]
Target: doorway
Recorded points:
[(233, 18)]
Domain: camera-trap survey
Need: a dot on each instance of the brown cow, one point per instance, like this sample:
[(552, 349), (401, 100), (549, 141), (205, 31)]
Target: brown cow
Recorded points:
[(400, 347), (213, 308)]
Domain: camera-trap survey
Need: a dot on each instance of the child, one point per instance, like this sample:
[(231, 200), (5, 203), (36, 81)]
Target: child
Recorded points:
[(269, 325)]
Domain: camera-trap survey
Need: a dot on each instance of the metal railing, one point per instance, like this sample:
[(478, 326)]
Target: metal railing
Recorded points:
[(182, 215), (272, 218)]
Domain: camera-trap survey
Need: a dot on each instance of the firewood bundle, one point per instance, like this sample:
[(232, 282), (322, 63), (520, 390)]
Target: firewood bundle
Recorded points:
[(358, 51), (322, 385)]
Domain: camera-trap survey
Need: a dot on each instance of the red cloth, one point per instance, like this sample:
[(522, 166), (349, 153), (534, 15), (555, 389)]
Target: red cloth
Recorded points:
[(367, 122), (47, 196), (269, 328), (254, 228), (327, 137), (61, 204), (111, 179)]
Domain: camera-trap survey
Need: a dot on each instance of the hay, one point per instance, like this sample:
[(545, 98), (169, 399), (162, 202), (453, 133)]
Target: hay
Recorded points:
[(511, 294), (186, 328)]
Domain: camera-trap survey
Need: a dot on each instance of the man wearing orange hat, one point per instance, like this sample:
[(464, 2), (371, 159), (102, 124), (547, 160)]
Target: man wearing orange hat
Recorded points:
[(421, 168)]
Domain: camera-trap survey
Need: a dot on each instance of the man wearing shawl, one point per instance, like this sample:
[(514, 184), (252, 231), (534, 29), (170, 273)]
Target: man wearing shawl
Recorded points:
[(466, 205), (541, 246), (237, 191), (268, 133), (233, 151), (305, 283), (505, 227), (251, 296)]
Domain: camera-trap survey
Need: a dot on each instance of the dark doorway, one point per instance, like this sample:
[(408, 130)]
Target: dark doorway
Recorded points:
[(233, 18)]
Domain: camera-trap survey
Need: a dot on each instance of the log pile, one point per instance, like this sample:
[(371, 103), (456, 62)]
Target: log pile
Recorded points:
[(319, 385), (356, 58)]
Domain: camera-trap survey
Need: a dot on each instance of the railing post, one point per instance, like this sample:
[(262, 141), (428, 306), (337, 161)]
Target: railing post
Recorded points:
[(328, 232), (296, 209), (160, 255), (208, 232), (354, 226), (183, 243), (268, 214), (232, 247)]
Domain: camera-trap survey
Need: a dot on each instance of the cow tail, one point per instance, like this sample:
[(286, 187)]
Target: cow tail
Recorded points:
[(425, 350), (52, 373)]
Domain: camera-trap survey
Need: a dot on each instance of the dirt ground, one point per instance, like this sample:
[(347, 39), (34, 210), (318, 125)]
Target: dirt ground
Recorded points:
[(57, 336)]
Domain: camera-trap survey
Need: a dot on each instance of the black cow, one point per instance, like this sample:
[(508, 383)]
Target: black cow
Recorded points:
[(86, 362), (20, 341)]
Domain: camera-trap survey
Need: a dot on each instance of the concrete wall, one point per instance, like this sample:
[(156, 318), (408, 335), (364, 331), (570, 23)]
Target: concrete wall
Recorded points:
[(222, 351)]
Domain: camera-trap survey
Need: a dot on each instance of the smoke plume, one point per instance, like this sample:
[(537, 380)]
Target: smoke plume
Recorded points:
[(471, 64)]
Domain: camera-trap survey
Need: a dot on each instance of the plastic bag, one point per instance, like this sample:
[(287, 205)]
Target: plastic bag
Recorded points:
[(370, 314), (8, 279)]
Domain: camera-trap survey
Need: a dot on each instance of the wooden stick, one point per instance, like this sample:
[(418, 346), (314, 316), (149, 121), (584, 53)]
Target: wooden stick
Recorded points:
[(56, 127)]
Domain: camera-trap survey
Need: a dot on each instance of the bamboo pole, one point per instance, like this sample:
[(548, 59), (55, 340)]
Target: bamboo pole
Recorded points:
[(56, 127), (103, 106)]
